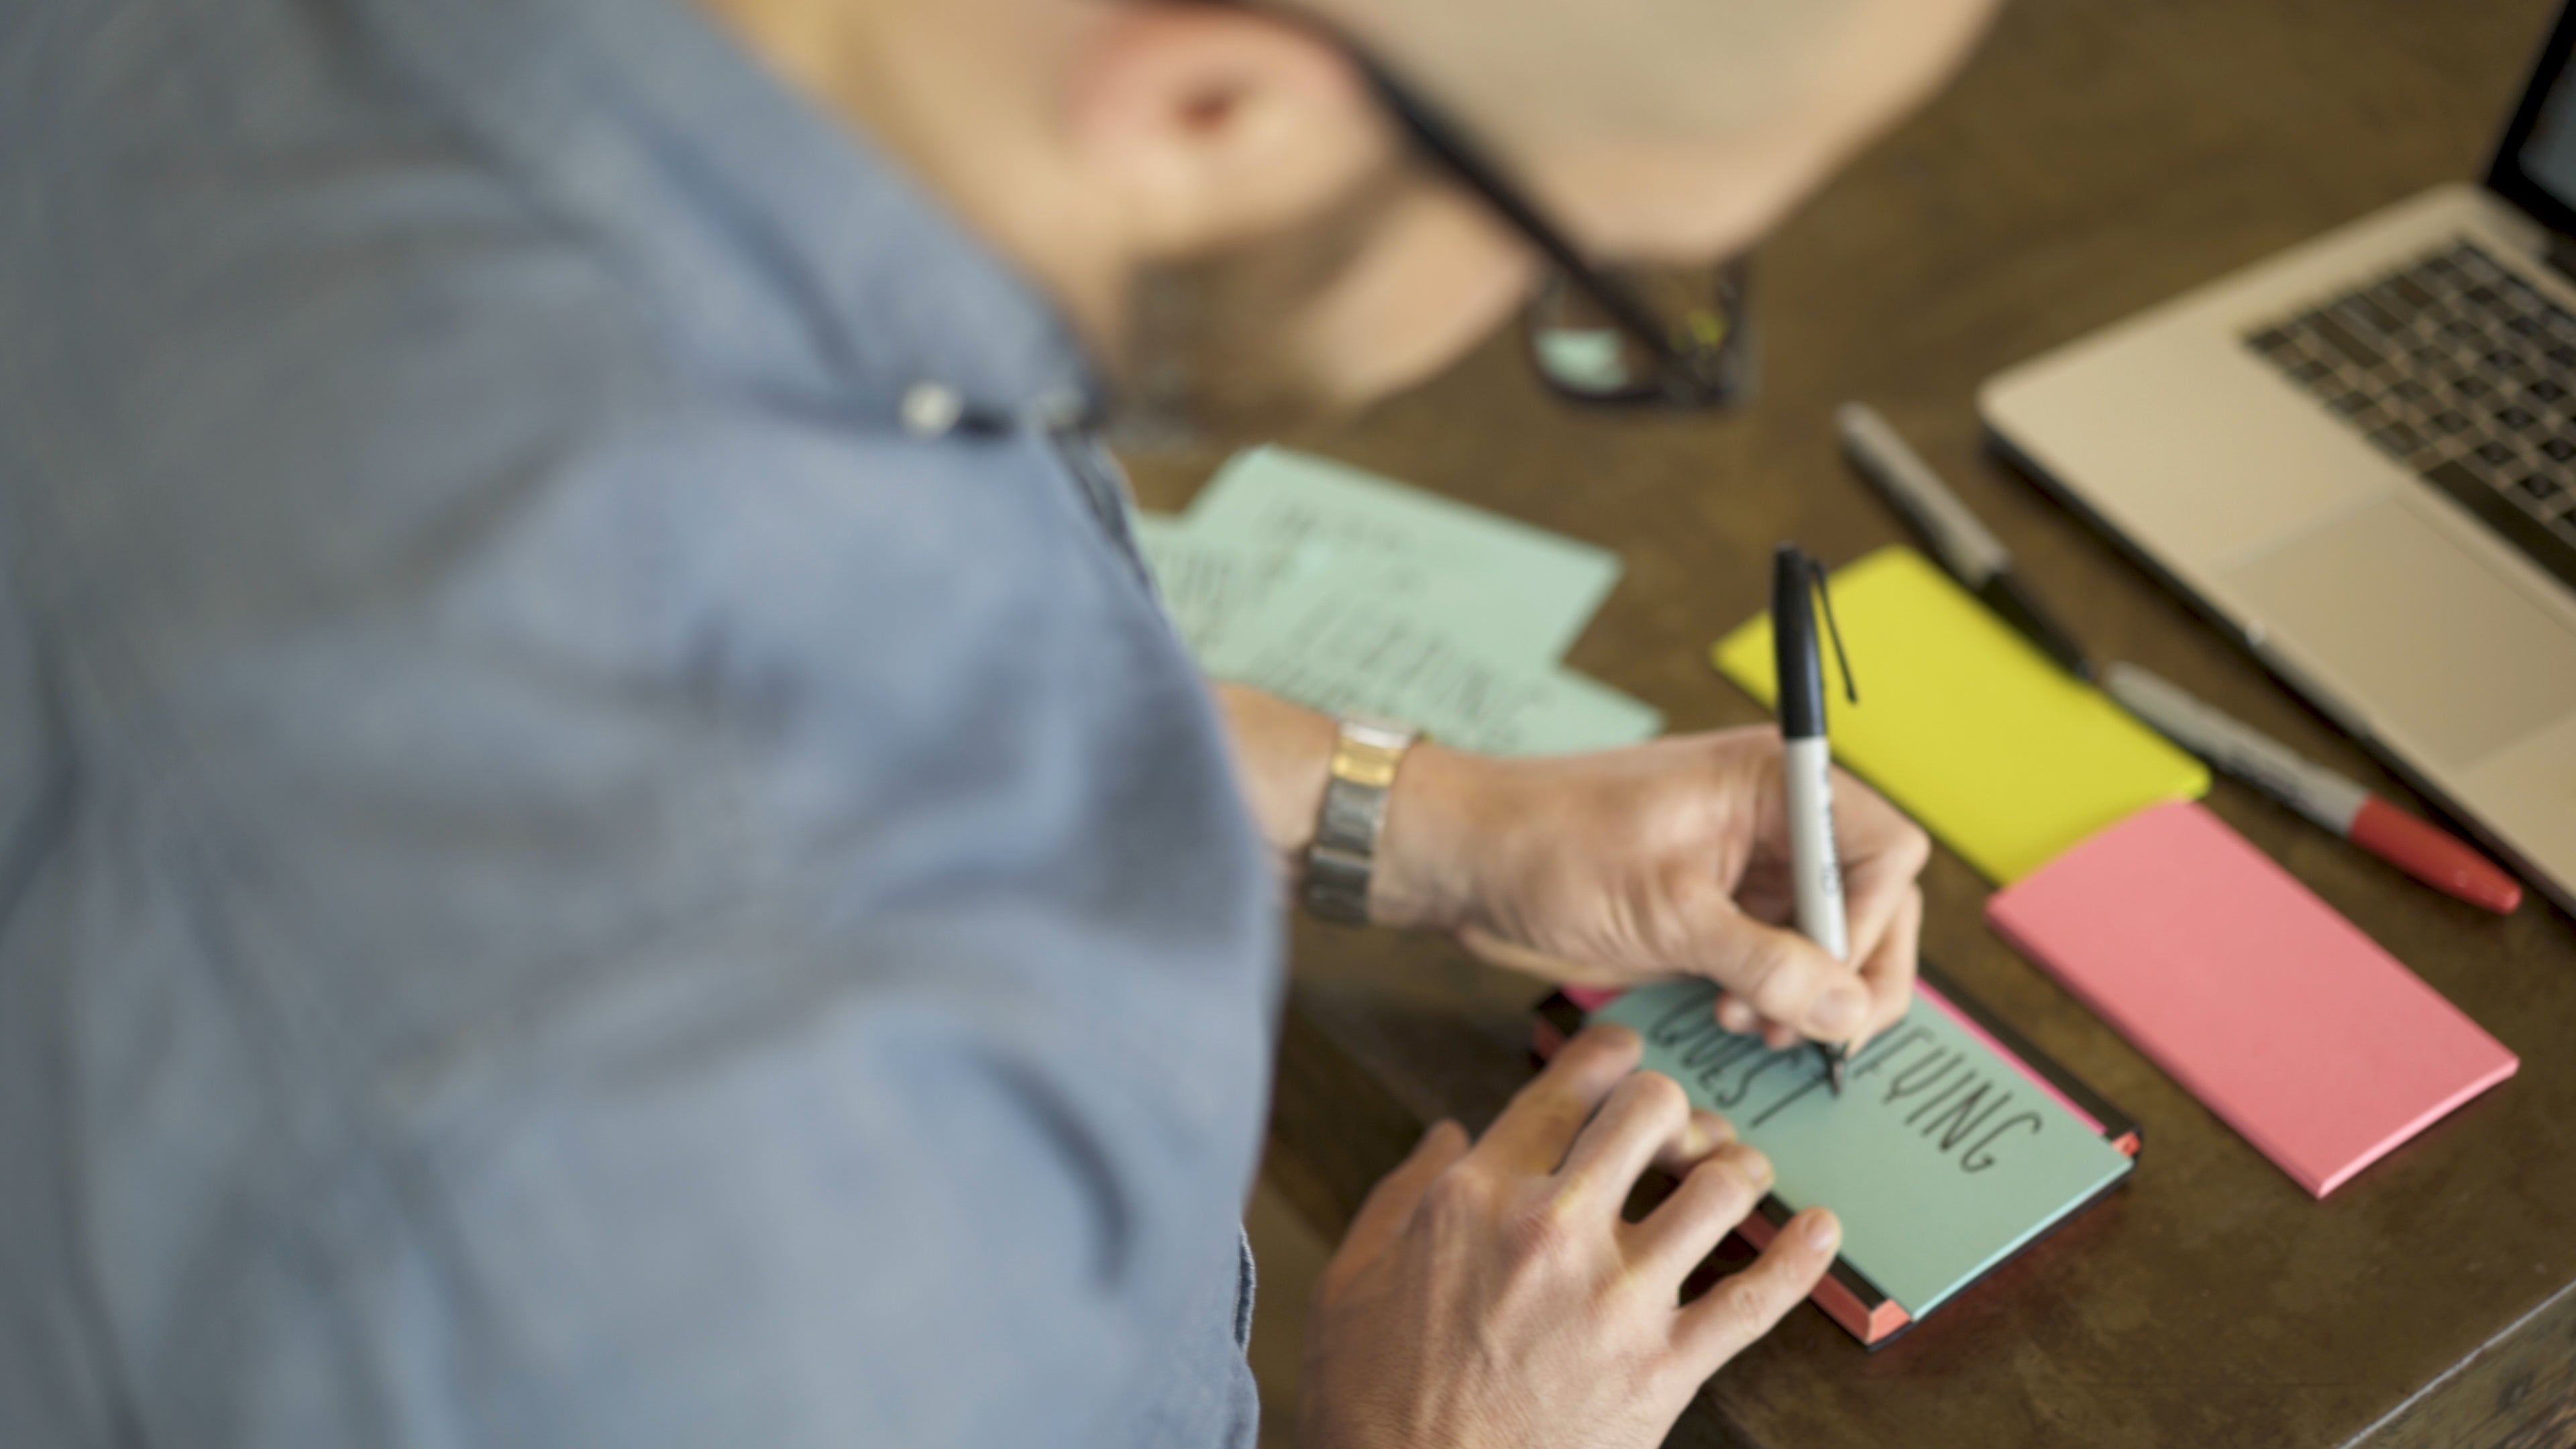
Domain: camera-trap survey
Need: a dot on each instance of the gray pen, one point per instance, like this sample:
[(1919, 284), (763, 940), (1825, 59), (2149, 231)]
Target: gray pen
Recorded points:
[(2412, 844), (1962, 542)]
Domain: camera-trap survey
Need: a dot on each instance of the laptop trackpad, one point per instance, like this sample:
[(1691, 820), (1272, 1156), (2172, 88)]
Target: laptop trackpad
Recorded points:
[(2416, 631)]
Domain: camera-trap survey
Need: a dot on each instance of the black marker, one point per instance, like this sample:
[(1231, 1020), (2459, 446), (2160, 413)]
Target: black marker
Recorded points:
[(1815, 863)]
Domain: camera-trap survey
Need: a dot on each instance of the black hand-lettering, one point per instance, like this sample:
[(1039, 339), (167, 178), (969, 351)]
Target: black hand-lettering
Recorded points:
[(1744, 1087), (1683, 1019), (1961, 1080), (1977, 1159), (1713, 1054), (1964, 1115), (1815, 1079), (1886, 1049), (1923, 1074)]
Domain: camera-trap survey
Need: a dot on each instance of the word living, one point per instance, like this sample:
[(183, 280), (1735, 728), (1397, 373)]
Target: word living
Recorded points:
[(1956, 1102)]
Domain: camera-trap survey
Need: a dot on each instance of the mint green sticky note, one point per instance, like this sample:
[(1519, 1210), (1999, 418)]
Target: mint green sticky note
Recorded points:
[(1501, 588), (1205, 584), (1941, 1157), (1329, 644)]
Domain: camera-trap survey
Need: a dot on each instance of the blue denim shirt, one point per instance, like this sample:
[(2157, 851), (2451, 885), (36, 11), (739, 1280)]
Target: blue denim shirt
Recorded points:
[(564, 878)]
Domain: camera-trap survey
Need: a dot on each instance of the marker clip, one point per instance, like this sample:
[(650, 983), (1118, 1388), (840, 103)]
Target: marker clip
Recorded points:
[(1824, 590)]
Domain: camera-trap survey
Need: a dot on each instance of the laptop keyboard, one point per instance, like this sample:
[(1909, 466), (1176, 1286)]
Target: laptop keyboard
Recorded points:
[(2462, 371)]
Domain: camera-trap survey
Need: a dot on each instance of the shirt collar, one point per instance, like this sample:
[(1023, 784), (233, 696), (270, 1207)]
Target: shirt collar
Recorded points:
[(775, 242)]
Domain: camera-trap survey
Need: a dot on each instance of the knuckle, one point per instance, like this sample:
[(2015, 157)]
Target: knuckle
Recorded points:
[(1785, 986), (1770, 955), (1557, 1118), (1659, 1099), (1601, 1047), (1540, 1231), (1721, 1188), (1455, 1197), (1735, 1308)]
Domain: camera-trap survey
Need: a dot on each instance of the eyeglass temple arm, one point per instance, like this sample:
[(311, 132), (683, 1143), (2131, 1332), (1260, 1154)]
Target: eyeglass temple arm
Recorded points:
[(1434, 135), (1449, 146)]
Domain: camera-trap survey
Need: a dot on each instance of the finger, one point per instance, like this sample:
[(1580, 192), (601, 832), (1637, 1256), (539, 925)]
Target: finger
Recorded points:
[(1709, 1131), (1712, 1200), (1873, 835), (1648, 1117), (1540, 1124), (1871, 916), (1737, 1014), (1787, 978), (1740, 1309), (1883, 855), (1390, 1204), (1888, 971)]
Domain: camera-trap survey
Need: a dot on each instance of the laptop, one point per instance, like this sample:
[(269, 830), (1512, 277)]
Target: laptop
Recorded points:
[(2360, 456)]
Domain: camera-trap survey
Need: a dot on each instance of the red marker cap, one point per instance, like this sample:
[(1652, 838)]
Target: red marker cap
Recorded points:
[(2433, 856)]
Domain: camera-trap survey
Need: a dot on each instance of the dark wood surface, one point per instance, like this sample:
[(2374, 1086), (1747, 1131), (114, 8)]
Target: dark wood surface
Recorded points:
[(2099, 156)]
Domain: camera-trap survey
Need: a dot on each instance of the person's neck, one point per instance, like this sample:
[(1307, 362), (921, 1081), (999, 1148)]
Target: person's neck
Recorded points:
[(952, 93)]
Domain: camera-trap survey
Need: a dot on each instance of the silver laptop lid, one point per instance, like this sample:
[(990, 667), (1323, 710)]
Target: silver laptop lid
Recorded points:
[(2534, 166)]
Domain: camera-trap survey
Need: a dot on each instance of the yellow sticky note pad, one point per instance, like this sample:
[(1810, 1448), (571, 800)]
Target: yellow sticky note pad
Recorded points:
[(1968, 726)]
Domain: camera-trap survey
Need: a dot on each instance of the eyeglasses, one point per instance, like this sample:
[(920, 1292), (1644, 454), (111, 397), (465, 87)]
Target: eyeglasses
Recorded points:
[(1620, 337)]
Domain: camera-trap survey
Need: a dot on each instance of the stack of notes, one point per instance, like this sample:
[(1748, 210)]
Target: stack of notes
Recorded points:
[(2319, 1047), (1968, 726), (1352, 594), (2294, 1026), (1954, 1147)]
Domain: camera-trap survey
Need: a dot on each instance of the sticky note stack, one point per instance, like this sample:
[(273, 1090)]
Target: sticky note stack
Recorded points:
[(2319, 1047), (2310, 1040), (1970, 727), (1949, 1153), (1350, 593)]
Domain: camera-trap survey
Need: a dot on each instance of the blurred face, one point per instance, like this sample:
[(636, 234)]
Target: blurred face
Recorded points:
[(1399, 271)]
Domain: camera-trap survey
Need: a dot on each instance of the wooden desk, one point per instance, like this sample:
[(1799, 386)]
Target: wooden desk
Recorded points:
[(2099, 156)]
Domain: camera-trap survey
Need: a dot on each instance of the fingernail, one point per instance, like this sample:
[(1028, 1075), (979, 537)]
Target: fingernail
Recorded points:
[(1841, 1010), (1755, 1165), (1824, 1230), (1709, 1132), (1615, 1037)]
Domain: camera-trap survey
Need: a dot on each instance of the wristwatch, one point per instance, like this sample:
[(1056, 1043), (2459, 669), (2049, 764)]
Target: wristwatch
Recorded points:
[(1344, 855)]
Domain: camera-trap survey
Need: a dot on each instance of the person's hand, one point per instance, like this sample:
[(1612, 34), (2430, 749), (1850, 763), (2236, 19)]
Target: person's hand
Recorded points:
[(1663, 861), (1492, 1296)]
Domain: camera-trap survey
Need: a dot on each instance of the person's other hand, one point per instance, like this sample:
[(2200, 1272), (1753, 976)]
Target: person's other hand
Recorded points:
[(1492, 1296), (1667, 860)]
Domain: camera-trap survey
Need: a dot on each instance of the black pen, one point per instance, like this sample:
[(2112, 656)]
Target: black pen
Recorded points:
[(1815, 861), (1963, 543)]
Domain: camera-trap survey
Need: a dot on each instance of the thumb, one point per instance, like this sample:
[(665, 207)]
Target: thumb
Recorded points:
[(1390, 1205), (1783, 975)]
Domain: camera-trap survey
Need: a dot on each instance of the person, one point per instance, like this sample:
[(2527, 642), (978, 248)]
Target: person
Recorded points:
[(601, 838)]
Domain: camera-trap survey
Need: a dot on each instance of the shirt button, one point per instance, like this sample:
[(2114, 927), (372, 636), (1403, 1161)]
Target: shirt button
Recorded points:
[(932, 411)]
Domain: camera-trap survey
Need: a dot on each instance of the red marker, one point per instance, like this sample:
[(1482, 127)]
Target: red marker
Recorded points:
[(2408, 842)]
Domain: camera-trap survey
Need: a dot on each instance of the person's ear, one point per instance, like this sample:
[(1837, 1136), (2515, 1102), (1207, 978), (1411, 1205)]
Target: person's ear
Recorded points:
[(1211, 125)]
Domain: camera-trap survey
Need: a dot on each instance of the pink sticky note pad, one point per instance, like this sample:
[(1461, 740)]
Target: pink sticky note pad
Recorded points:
[(2263, 1001)]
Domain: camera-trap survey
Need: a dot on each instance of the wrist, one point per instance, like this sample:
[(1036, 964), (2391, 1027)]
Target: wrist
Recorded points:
[(1425, 853)]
